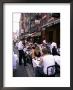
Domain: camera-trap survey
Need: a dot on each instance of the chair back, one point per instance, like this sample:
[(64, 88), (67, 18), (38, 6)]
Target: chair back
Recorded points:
[(51, 70)]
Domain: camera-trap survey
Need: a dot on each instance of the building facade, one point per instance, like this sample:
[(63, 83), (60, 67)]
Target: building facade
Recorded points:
[(24, 24), (51, 28), (41, 26)]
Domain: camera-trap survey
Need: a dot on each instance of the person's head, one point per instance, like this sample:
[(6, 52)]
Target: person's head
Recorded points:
[(35, 44), (37, 54), (33, 47), (37, 48), (45, 51), (37, 51)]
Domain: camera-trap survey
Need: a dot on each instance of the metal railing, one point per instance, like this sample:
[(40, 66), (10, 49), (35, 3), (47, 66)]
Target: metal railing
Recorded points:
[(50, 23)]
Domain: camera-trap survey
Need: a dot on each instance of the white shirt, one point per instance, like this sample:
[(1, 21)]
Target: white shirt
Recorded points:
[(48, 60), (15, 59), (20, 46), (44, 41), (57, 59), (58, 50), (53, 44), (36, 62)]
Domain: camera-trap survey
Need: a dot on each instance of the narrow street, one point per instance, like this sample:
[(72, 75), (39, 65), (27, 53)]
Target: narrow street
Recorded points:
[(36, 35), (23, 71), (26, 71)]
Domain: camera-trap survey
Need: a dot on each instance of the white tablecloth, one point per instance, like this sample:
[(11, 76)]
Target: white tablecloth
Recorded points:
[(35, 63)]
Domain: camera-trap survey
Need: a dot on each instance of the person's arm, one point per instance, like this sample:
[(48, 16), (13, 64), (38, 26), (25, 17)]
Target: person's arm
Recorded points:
[(41, 51), (33, 53)]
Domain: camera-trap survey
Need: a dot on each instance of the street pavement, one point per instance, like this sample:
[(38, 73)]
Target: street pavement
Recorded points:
[(23, 71)]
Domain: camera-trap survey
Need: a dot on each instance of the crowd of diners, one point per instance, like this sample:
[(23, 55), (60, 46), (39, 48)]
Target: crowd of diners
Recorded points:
[(44, 53)]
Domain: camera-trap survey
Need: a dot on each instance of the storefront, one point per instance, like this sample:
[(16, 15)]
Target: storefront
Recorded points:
[(34, 37), (52, 33)]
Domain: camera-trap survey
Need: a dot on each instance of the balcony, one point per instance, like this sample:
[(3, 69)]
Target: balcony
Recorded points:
[(51, 22)]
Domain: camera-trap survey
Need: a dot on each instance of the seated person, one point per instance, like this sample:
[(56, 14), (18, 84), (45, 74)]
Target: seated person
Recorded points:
[(46, 61), (36, 66), (15, 59), (57, 61)]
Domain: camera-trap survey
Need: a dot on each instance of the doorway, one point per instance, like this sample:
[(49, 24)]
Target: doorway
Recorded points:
[(50, 36)]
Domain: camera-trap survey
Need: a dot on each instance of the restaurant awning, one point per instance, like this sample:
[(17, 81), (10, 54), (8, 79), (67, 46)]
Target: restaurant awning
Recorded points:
[(50, 23), (33, 34), (36, 34)]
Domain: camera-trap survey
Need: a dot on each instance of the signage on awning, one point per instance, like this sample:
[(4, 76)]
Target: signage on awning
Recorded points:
[(37, 21)]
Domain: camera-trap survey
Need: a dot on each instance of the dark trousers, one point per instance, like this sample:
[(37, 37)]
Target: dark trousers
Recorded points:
[(22, 55), (29, 59)]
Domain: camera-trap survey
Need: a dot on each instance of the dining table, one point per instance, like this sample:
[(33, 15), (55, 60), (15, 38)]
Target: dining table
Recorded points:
[(36, 62)]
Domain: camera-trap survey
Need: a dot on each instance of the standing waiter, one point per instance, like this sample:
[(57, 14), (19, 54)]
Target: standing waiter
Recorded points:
[(21, 53)]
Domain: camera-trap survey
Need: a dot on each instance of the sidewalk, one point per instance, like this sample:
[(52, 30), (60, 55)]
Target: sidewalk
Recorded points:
[(26, 71)]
